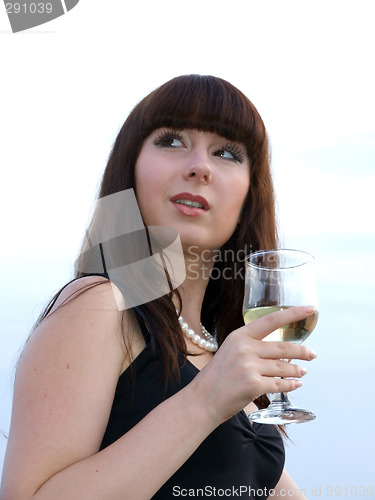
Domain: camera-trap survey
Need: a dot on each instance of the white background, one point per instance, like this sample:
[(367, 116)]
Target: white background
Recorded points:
[(67, 86)]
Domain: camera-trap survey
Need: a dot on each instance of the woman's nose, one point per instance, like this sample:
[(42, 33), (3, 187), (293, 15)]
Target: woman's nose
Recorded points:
[(198, 167)]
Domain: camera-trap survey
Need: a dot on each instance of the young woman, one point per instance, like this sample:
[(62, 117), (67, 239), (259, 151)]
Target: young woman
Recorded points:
[(127, 404)]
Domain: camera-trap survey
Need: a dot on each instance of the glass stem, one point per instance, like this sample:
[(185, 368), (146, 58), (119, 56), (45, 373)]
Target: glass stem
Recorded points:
[(280, 398)]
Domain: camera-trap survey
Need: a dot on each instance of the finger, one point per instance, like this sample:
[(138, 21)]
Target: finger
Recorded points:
[(284, 351), (262, 327), (280, 368), (274, 385)]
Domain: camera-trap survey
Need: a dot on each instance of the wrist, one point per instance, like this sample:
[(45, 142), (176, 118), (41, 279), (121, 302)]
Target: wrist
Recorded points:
[(200, 407)]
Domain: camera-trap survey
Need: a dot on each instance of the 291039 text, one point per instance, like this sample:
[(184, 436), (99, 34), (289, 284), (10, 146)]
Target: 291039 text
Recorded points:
[(28, 8)]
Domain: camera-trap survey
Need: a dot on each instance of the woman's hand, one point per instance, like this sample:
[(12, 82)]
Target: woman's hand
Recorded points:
[(245, 367)]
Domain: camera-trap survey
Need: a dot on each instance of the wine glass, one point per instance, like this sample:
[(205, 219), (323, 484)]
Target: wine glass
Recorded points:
[(276, 280)]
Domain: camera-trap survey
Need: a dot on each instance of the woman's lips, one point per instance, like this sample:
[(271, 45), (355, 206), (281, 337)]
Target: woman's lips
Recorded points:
[(189, 204)]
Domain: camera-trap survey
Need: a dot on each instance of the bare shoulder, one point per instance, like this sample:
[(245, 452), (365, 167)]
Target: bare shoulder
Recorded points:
[(84, 316), (65, 384), (91, 289), (96, 300)]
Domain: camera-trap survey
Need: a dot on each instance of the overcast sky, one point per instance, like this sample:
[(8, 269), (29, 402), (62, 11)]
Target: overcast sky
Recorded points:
[(68, 85)]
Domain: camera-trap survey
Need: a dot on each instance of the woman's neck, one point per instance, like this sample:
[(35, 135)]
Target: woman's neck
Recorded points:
[(193, 289)]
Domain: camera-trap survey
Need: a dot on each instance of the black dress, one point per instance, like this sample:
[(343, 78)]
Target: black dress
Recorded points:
[(237, 459)]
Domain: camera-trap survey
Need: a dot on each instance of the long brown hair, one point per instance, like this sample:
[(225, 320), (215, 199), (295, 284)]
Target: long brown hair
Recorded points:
[(205, 103)]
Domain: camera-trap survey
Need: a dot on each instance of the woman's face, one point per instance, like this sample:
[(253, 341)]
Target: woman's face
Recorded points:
[(195, 182)]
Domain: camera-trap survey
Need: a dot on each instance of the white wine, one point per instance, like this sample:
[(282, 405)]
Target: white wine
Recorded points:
[(296, 332)]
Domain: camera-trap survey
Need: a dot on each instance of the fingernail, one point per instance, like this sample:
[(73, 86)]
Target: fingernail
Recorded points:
[(309, 309), (313, 354), (298, 383), (303, 371)]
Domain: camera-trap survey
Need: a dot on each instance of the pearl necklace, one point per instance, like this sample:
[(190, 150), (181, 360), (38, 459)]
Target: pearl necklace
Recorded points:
[(208, 342)]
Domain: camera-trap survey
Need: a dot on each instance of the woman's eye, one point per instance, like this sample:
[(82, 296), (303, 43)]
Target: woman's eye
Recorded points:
[(230, 153), (223, 153), (169, 141), (174, 142)]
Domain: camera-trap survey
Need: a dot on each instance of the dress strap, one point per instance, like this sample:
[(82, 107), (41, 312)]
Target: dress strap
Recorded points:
[(142, 325)]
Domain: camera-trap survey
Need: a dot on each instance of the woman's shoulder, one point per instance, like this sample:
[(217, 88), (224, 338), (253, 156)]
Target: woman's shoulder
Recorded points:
[(90, 288), (88, 314), (65, 381), (84, 320)]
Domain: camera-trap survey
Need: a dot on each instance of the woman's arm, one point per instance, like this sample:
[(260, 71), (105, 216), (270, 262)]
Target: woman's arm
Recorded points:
[(287, 488), (64, 391), (63, 394)]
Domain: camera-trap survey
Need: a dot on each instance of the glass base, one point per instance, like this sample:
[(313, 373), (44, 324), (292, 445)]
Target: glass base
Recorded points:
[(281, 414)]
